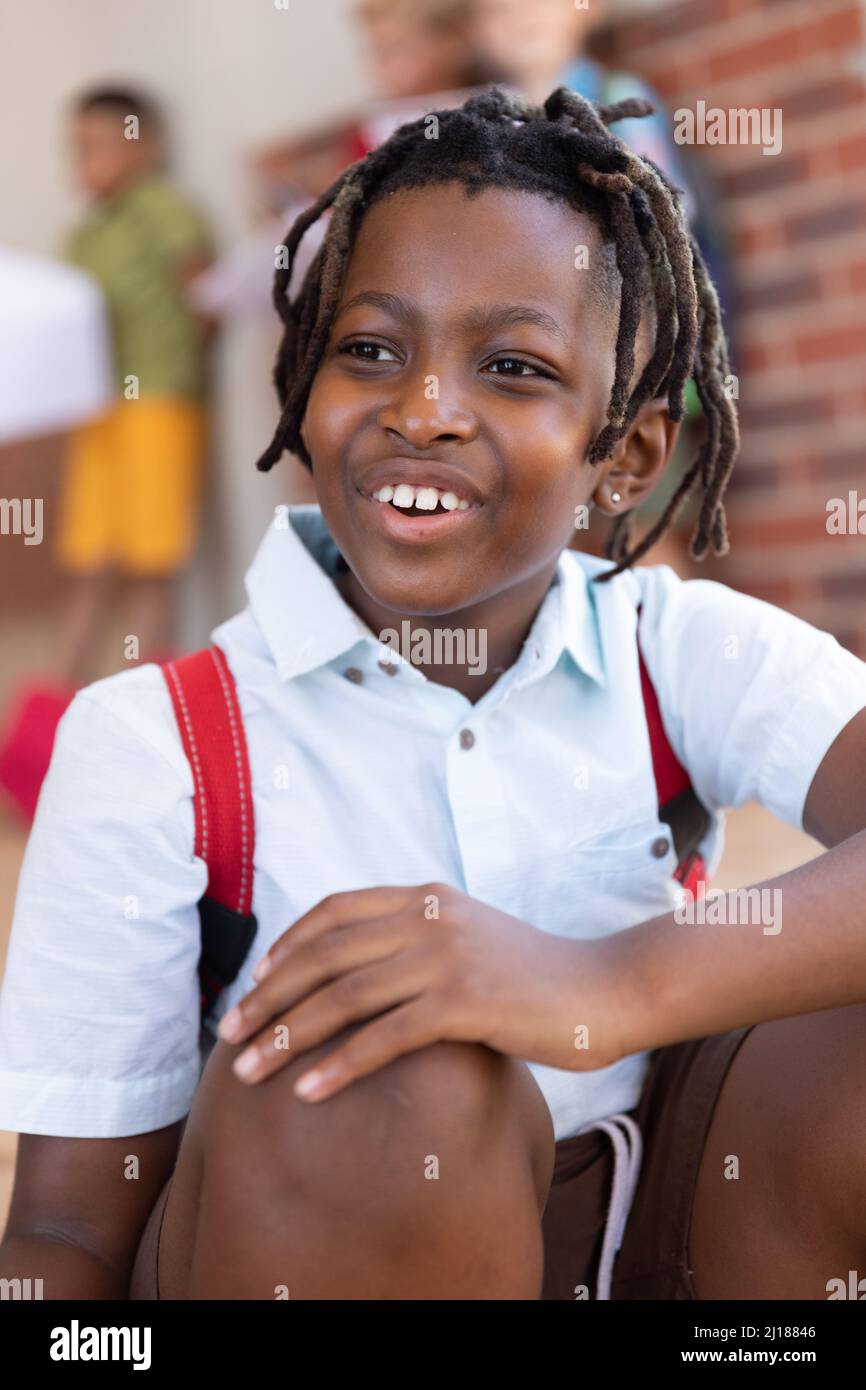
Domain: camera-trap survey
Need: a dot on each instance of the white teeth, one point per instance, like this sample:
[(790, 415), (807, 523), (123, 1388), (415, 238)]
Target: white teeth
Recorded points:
[(404, 495), (426, 499)]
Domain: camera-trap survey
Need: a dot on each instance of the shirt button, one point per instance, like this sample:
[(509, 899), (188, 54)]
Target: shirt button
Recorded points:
[(353, 674), (389, 667), (660, 847), (467, 738)]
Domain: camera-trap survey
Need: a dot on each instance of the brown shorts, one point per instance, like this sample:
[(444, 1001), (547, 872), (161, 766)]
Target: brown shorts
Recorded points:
[(673, 1115)]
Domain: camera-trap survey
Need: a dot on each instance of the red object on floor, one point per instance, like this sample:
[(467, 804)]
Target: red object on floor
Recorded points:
[(27, 741)]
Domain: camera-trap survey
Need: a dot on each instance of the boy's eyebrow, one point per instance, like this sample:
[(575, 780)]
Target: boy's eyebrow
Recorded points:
[(390, 303), (480, 317), (488, 318)]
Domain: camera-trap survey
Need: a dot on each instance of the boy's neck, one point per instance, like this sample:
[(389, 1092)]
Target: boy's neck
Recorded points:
[(494, 632), (124, 186)]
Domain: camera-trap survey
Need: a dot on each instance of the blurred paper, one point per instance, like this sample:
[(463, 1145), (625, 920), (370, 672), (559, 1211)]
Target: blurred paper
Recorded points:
[(55, 354)]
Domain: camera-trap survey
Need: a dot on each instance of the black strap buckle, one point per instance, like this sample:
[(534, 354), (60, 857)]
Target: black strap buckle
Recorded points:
[(226, 939)]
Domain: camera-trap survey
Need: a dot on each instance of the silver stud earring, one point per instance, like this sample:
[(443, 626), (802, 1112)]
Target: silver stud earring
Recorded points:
[(615, 497)]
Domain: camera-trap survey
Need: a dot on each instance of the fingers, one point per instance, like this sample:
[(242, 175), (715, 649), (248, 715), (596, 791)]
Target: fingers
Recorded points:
[(351, 999), (315, 962), (334, 911), (405, 1029)]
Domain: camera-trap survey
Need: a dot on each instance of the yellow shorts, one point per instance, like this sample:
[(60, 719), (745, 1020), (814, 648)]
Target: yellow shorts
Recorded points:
[(131, 489)]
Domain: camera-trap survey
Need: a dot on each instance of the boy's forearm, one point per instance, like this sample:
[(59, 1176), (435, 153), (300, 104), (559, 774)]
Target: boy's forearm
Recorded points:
[(799, 946), (62, 1269)]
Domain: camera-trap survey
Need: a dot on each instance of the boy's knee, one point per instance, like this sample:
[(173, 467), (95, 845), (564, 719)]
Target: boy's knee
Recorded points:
[(395, 1186), (438, 1108)]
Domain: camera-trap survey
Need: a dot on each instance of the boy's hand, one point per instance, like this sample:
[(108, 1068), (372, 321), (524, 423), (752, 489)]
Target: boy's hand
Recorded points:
[(424, 964)]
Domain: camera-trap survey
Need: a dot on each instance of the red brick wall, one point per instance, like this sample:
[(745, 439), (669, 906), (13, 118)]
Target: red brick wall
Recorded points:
[(797, 229)]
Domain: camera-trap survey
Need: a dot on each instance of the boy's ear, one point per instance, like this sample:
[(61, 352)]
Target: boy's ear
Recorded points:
[(638, 460)]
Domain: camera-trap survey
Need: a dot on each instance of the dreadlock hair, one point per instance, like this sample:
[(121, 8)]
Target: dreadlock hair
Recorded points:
[(564, 151)]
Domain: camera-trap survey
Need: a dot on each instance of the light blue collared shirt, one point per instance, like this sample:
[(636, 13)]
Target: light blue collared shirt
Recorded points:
[(549, 812)]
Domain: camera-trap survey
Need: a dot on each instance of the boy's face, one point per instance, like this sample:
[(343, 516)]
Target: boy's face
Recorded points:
[(103, 158), (469, 354)]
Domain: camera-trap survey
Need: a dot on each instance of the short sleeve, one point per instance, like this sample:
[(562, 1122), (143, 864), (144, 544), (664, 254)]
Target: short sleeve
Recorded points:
[(99, 1012), (750, 695)]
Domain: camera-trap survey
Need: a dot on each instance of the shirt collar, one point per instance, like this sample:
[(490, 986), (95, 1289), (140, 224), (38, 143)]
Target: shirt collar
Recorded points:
[(578, 614), (566, 622), (307, 623), (305, 620)]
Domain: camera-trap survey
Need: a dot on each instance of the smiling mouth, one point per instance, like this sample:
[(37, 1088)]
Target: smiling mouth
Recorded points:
[(420, 501)]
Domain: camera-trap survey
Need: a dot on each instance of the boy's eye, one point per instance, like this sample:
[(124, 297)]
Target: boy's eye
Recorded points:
[(513, 366), (369, 352), (365, 350)]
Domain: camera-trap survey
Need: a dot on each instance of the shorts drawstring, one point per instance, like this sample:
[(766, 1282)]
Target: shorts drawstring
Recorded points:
[(627, 1155)]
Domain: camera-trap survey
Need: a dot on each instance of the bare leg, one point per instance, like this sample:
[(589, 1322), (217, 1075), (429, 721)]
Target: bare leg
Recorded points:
[(150, 613), (87, 600), (425, 1180), (791, 1119)]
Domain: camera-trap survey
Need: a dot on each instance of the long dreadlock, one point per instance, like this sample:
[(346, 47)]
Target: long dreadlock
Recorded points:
[(562, 150)]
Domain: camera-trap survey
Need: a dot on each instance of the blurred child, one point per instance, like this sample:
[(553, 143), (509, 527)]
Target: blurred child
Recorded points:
[(420, 55), (413, 48), (418, 45), (537, 45), (129, 500)]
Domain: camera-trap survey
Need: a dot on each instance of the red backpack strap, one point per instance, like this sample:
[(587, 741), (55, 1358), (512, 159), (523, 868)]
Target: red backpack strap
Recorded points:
[(679, 805), (206, 707)]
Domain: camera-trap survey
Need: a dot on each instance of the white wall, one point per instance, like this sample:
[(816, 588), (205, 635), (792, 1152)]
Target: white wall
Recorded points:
[(229, 74)]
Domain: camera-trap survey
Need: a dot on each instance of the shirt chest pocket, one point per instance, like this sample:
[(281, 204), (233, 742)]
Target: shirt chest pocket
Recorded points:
[(645, 848), (609, 880)]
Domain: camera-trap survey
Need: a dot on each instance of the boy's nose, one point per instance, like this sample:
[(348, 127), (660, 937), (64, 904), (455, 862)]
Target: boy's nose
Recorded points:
[(425, 411)]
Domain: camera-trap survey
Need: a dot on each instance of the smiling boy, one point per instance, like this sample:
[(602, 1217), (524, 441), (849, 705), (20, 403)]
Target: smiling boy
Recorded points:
[(464, 892)]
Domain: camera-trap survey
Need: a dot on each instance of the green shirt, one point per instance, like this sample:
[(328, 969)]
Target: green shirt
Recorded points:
[(132, 245)]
